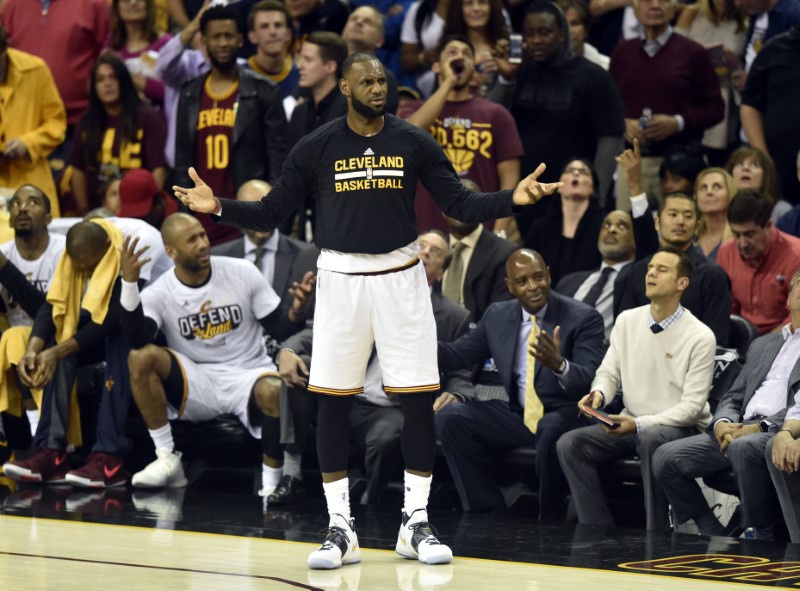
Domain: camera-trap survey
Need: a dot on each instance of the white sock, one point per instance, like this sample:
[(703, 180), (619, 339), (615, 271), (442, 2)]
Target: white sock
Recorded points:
[(162, 437), (270, 476), (337, 494), (33, 419), (417, 491)]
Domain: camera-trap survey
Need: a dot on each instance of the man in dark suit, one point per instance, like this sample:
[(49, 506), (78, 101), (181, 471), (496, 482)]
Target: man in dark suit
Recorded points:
[(376, 421), (747, 418), (603, 288), (476, 275), (557, 340), (708, 296), (272, 252)]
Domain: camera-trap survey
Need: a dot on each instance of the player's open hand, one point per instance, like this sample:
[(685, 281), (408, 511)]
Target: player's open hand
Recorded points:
[(131, 261), (529, 190), (200, 198)]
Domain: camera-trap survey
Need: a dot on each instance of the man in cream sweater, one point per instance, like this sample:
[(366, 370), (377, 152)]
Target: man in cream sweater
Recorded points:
[(662, 359)]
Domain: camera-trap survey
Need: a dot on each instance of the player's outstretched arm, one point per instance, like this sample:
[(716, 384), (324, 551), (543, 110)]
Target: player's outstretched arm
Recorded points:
[(530, 190), (200, 198)]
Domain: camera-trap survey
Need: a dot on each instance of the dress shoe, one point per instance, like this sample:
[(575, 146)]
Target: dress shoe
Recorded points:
[(287, 492)]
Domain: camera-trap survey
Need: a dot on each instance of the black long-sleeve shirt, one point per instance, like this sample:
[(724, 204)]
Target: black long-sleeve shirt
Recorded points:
[(21, 290), (364, 188)]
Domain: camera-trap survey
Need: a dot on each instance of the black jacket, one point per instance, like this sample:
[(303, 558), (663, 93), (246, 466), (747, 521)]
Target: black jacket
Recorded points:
[(258, 144)]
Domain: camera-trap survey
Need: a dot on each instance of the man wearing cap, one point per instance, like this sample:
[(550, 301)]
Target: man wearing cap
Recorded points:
[(141, 198)]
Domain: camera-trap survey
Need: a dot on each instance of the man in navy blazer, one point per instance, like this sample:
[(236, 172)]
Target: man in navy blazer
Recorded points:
[(569, 350)]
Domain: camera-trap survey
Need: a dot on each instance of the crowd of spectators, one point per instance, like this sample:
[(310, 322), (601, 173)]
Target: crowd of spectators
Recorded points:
[(670, 126)]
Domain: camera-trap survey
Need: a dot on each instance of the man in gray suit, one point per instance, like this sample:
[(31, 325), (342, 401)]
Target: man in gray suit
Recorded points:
[(746, 420), (272, 252), (783, 460), (376, 420)]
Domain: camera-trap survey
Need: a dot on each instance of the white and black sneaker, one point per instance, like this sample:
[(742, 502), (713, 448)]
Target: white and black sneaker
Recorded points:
[(340, 546), (417, 539)]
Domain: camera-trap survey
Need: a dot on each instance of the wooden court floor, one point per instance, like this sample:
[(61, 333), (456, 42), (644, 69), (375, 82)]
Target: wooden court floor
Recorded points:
[(59, 539)]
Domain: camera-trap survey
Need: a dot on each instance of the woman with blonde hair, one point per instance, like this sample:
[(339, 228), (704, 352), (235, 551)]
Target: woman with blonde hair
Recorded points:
[(721, 26), (713, 191)]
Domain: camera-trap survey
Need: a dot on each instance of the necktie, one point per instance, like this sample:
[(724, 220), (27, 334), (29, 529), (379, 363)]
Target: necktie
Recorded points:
[(533, 406), (455, 274), (259, 252), (656, 328), (594, 293)]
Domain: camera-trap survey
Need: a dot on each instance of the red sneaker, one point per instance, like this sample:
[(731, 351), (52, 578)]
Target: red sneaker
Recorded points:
[(101, 470), (42, 465)]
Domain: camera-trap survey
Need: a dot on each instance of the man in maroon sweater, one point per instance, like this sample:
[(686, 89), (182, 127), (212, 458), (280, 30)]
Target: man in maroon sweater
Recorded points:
[(669, 87)]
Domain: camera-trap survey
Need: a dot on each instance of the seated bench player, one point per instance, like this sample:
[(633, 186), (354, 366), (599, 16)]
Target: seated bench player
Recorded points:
[(211, 311)]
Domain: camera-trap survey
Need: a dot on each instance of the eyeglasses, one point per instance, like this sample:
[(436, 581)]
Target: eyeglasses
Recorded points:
[(132, 1)]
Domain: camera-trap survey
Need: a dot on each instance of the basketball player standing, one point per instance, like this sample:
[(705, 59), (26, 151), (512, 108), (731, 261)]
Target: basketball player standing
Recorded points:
[(362, 170)]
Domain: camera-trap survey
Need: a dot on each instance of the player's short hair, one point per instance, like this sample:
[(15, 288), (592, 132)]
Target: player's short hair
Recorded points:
[(357, 58), (39, 193)]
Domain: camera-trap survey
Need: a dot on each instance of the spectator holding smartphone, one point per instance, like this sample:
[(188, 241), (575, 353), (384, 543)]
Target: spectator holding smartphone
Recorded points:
[(662, 358)]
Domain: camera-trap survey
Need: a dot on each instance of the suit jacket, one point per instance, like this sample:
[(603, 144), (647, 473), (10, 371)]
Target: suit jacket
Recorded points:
[(285, 257), (452, 321), (484, 278), (760, 356), (708, 296), (258, 143), (569, 285), (582, 335)]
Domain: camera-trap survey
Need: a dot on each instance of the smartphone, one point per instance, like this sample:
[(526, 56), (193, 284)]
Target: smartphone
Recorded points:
[(598, 416), (515, 49)]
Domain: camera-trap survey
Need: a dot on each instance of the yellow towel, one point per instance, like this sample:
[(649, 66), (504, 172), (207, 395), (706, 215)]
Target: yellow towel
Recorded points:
[(66, 292), (13, 344), (12, 347)]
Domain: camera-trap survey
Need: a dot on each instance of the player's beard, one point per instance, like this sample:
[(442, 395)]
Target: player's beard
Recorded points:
[(366, 110)]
